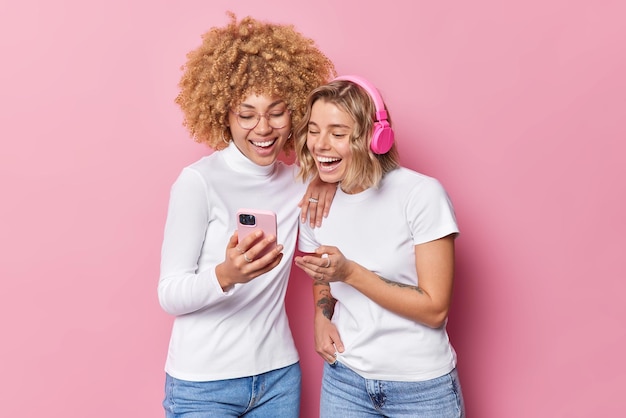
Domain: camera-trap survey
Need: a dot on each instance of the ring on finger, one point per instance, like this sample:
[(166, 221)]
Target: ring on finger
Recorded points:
[(327, 262), (313, 200), (245, 257), (240, 250)]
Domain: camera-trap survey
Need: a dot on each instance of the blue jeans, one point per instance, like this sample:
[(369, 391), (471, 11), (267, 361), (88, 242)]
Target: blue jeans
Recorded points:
[(272, 394), (346, 394)]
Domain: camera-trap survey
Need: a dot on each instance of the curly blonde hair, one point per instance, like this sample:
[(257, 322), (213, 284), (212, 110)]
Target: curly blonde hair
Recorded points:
[(243, 58), (367, 169)]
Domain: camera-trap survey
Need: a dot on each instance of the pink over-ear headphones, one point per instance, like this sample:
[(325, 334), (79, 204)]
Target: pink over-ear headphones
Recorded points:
[(382, 135)]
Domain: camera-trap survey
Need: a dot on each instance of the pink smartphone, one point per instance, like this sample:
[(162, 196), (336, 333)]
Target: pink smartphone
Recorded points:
[(249, 220)]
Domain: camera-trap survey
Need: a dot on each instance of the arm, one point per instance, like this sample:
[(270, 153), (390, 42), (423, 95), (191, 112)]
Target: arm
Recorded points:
[(327, 340), (324, 193), (427, 303), (182, 287)]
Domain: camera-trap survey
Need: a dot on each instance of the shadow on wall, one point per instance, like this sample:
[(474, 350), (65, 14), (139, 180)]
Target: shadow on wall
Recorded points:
[(468, 325)]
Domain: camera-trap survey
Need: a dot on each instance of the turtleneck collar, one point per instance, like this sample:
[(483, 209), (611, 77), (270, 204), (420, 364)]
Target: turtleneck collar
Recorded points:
[(240, 163)]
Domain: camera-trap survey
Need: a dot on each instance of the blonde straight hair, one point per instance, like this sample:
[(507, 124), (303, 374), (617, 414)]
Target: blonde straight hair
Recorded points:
[(367, 168)]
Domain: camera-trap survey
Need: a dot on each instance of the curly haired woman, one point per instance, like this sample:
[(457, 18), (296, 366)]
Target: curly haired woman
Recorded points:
[(231, 351)]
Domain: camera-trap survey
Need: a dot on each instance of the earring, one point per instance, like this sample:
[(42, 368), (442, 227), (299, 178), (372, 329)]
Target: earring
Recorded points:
[(290, 132), (224, 139)]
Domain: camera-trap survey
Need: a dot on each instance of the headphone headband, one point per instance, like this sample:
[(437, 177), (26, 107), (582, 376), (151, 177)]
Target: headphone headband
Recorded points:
[(371, 90)]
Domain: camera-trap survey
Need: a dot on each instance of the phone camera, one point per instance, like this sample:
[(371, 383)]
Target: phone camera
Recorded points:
[(247, 219)]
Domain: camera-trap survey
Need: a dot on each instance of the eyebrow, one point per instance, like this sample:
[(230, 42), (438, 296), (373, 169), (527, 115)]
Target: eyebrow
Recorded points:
[(334, 125), (271, 105)]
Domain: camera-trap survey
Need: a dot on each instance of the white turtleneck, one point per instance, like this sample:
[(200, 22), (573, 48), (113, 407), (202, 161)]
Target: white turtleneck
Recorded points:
[(221, 335)]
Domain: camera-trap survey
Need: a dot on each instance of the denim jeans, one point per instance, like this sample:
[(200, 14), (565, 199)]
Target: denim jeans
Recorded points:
[(346, 394), (272, 394)]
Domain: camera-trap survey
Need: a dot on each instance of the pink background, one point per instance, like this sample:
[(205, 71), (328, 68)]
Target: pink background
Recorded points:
[(519, 109)]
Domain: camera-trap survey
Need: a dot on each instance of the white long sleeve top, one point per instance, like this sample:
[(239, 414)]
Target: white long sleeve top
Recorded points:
[(242, 332)]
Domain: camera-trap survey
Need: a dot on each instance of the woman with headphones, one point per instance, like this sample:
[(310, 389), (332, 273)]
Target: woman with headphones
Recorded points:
[(382, 264)]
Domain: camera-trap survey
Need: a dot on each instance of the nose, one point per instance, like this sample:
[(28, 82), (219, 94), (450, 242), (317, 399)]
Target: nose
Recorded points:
[(322, 142), (263, 126)]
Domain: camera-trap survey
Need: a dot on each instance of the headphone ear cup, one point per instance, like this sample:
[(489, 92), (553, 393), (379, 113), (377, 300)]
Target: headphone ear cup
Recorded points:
[(382, 138)]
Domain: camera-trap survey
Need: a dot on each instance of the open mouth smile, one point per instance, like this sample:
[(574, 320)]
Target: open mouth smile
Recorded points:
[(328, 163), (264, 144)]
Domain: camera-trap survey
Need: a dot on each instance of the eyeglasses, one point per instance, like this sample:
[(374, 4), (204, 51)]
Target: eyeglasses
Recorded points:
[(277, 118)]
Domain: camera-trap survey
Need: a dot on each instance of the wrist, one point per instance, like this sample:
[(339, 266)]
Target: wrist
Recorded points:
[(222, 279), (353, 272), (322, 316)]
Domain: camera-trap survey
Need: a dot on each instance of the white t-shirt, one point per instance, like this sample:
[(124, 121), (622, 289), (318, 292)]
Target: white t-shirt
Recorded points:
[(378, 229), (221, 335)]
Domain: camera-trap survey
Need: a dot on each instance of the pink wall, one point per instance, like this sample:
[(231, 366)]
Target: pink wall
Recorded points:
[(519, 110)]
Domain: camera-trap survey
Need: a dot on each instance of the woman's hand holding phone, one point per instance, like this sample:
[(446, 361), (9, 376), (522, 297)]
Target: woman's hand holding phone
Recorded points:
[(252, 250)]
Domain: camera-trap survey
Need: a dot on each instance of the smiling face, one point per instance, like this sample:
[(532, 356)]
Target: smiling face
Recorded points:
[(328, 140), (263, 143)]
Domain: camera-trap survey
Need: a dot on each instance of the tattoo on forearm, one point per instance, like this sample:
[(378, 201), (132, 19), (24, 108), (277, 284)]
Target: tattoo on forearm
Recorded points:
[(392, 283), (326, 302)]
